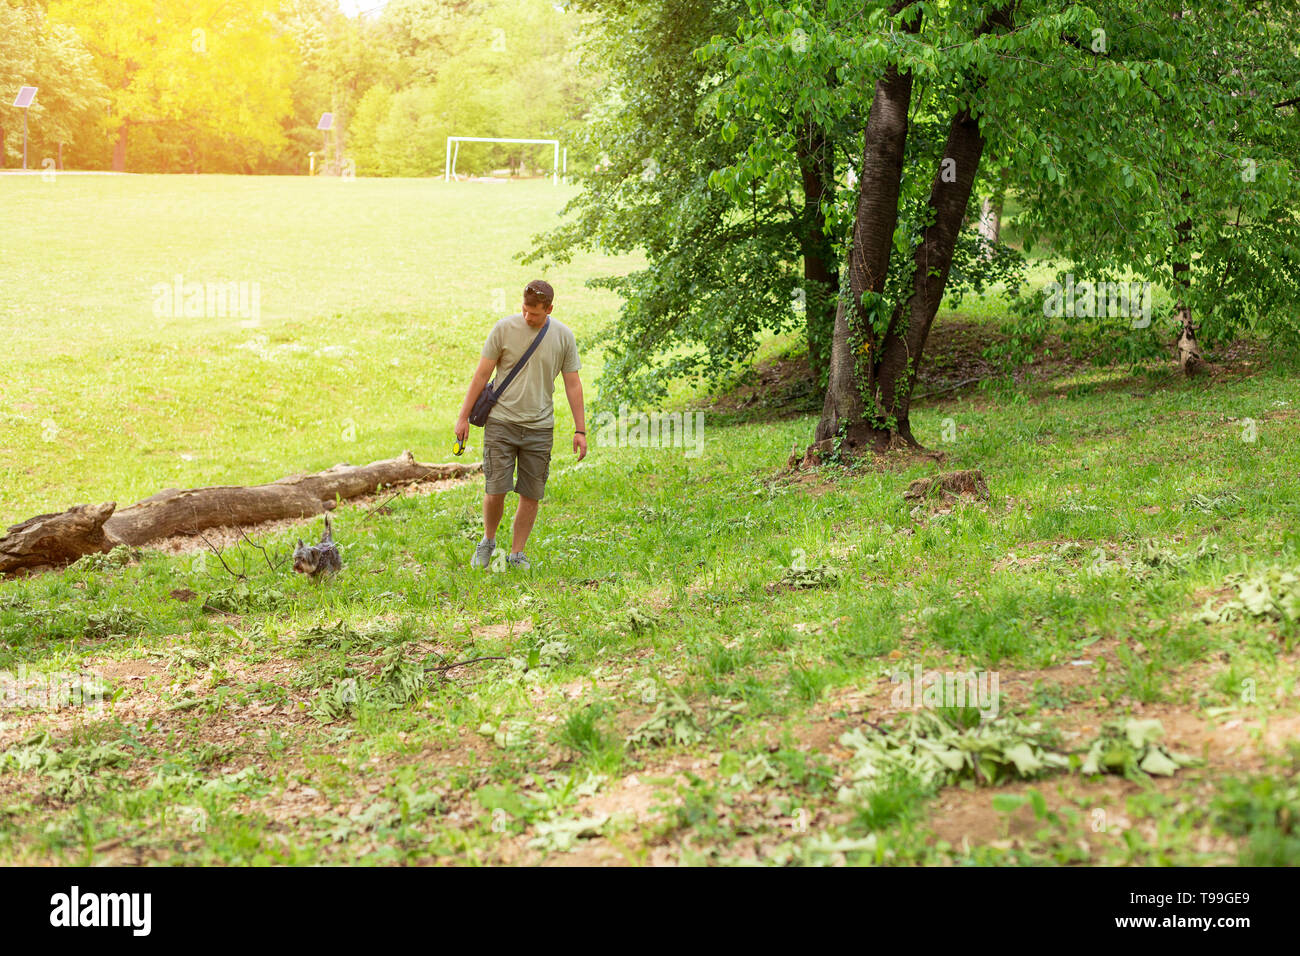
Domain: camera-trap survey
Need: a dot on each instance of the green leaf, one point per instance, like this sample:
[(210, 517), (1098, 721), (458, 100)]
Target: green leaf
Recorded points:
[(1142, 732), (1023, 757), (1009, 802), (1158, 764)]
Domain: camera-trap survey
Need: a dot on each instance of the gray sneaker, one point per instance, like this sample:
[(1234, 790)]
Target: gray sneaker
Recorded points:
[(518, 561), (483, 553)]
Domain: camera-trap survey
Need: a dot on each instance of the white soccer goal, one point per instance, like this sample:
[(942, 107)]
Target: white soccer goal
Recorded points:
[(558, 166)]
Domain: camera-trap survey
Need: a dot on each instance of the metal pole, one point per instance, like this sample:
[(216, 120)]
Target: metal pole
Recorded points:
[(455, 157), (24, 138)]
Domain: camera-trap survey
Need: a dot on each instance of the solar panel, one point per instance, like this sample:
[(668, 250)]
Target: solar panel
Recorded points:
[(25, 96), (326, 121)]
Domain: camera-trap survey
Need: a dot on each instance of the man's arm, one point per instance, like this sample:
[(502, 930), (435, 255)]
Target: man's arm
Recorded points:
[(573, 390), (481, 376)]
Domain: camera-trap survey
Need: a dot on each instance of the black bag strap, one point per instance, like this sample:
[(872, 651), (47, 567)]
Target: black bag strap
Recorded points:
[(537, 340)]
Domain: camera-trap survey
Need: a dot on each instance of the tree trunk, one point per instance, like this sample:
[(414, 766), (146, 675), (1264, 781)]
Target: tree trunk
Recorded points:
[(2, 147), (821, 276), (1189, 351), (85, 529), (879, 183), (892, 358), (119, 149), (909, 327), (991, 218), (1190, 359), (843, 402)]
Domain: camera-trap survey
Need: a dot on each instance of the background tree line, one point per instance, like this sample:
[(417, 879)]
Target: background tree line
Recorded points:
[(238, 86)]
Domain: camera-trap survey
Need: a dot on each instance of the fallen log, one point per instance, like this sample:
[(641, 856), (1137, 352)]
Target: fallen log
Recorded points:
[(56, 539)]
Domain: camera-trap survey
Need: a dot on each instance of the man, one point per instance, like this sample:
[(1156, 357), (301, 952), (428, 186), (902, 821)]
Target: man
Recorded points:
[(521, 426)]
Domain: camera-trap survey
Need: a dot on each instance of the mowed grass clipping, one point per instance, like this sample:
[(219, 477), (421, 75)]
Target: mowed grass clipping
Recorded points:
[(374, 299)]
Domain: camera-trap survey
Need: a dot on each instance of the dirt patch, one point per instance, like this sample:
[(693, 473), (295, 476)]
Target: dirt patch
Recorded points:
[(632, 799), (949, 486), (783, 385), (802, 467), (847, 707), (955, 363), (123, 670), (965, 818), (502, 631), (811, 481), (1092, 816)]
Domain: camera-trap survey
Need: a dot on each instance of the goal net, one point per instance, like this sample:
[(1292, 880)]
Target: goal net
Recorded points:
[(558, 166)]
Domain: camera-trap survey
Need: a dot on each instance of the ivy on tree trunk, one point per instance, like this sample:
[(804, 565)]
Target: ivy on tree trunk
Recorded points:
[(879, 184), (875, 359)]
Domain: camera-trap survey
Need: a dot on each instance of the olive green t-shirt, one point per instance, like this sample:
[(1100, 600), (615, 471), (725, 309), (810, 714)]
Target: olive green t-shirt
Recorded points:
[(528, 400)]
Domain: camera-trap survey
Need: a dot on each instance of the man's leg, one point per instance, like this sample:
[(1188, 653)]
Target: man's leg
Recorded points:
[(494, 507), (524, 518), (499, 453), (534, 467)]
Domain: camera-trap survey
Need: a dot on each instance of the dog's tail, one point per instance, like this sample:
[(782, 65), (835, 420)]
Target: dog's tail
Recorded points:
[(329, 530)]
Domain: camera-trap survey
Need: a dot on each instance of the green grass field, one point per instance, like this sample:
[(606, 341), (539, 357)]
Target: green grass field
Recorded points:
[(374, 299), (700, 666)]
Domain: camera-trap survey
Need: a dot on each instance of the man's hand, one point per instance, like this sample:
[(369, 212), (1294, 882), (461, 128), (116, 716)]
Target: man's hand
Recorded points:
[(580, 446), (462, 429)]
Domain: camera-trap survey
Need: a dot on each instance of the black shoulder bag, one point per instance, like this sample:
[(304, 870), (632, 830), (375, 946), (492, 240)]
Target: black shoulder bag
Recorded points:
[(491, 393)]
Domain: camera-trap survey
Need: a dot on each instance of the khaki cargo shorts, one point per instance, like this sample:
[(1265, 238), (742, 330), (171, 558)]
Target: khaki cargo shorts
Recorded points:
[(504, 444)]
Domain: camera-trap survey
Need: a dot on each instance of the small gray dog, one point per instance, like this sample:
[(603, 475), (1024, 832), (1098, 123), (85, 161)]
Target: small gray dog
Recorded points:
[(323, 558)]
